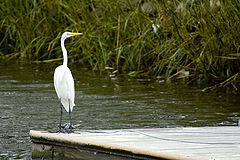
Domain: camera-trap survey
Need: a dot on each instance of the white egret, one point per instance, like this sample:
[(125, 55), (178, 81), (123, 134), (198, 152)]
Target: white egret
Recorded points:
[(64, 83)]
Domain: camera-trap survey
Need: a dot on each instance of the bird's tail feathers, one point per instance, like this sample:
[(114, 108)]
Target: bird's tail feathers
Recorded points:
[(65, 104)]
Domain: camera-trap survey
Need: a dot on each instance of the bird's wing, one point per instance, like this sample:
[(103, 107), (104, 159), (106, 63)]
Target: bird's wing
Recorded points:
[(70, 83), (57, 80), (64, 86)]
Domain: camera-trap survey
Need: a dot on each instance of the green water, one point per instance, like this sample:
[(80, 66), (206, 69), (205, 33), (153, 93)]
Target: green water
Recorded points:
[(28, 101)]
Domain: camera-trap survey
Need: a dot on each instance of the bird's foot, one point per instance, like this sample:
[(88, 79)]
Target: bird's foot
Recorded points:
[(60, 131), (68, 127)]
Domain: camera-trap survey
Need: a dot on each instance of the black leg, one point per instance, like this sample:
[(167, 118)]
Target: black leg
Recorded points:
[(60, 122), (70, 123)]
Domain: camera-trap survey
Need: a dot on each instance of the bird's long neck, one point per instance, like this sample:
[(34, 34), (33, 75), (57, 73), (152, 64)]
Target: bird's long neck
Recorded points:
[(65, 59)]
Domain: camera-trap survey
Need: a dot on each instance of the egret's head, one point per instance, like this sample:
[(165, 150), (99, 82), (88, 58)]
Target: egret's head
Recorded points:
[(69, 34)]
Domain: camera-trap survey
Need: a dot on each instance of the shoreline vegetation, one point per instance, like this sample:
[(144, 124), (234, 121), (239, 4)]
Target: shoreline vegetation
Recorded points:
[(169, 39)]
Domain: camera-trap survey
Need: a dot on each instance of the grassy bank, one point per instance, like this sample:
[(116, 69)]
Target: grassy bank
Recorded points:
[(197, 39)]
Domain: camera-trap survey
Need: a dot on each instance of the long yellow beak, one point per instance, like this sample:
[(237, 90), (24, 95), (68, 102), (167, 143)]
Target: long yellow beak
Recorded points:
[(75, 34)]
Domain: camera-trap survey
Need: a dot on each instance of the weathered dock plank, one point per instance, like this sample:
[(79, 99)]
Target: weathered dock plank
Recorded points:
[(214, 143)]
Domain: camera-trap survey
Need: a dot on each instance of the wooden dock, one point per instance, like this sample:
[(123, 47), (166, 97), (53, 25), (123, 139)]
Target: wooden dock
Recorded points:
[(212, 143)]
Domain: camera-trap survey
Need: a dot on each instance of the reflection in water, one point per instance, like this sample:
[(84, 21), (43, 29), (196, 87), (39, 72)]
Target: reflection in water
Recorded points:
[(28, 101)]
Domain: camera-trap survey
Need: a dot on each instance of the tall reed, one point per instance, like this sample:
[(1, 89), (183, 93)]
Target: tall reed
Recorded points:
[(197, 39)]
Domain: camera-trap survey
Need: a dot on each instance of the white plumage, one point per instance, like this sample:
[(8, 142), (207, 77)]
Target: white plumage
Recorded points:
[(64, 86), (63, 81)]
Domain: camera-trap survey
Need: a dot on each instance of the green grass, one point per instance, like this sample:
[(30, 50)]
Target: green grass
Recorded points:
[(198, 39)]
